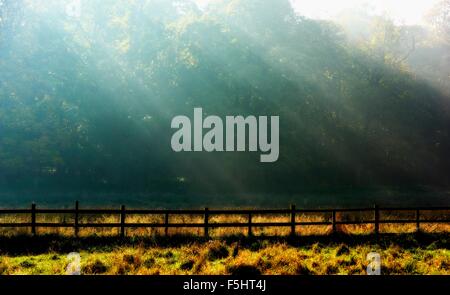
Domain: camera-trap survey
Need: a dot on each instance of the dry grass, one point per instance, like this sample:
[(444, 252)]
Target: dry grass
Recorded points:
[(403, 255), (303, 230), (185, 251)]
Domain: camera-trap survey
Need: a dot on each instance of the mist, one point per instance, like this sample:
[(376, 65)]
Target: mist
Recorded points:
[(88, 90)]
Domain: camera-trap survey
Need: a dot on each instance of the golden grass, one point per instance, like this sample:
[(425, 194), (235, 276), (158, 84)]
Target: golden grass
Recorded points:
[(302, 230), (221, 257)]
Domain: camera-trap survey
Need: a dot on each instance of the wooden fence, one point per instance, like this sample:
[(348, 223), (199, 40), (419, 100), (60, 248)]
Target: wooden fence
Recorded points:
[(291, 222)]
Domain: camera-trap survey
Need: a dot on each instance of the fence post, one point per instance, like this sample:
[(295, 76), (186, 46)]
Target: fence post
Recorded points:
[(376, 216), (417, 220), (250, 224), (76, 219), (206, 221), (333, 218), (122, 221), (166, 223), (33, 219), (292, 220)]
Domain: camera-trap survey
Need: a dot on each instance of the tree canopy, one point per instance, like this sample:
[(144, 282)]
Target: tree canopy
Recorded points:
[(86, 100)]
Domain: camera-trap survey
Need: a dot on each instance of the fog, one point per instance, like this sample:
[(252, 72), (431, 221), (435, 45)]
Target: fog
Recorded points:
[(88, 90)]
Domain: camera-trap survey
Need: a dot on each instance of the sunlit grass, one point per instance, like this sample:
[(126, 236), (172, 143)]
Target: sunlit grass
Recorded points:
[(302, 230), (229, 250), (234, 257)]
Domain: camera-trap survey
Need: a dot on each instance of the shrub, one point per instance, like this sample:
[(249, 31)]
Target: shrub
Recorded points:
[(342, 250), (331, 269), (149, 262), (316, 248), (55, 257), (168, 254), (27, 264), (130, 259), (217, 250), (96, 267), (187, 265)]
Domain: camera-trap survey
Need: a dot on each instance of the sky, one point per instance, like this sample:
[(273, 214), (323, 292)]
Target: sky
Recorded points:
[(403, 11), (407, 12)]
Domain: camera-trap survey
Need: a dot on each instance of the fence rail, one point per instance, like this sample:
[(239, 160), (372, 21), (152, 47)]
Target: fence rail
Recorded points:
[(291, 220)]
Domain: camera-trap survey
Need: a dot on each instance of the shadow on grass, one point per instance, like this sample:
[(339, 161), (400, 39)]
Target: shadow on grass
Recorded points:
[(26, 244)]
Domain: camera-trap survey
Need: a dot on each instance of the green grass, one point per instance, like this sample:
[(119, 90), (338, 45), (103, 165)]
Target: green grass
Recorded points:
[(333, 254)]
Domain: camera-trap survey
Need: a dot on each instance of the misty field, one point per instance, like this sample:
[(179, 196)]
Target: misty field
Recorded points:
[(314, 250)]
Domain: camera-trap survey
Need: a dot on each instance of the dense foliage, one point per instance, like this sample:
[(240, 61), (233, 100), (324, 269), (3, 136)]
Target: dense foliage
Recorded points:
[(86, 100)]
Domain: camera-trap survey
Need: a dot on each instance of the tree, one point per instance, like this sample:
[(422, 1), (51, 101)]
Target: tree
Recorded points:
[(439, 19)]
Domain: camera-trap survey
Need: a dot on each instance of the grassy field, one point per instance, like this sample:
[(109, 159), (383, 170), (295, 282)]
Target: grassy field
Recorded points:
[(303, 230), (400, 254), (270, 251)]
